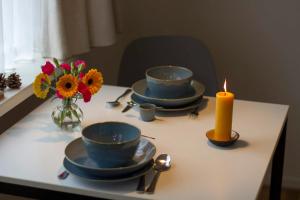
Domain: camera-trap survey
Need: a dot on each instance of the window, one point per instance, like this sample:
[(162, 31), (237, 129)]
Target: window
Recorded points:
[(20, 46), (20, 33)]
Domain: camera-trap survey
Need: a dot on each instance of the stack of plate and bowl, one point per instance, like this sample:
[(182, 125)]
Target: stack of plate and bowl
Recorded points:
[(109, 151), (170, 88)]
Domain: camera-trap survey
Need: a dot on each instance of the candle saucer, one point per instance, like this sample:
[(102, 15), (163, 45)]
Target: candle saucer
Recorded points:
[(234, 137)]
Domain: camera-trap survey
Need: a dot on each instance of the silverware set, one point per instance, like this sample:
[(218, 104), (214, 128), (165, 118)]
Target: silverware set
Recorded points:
[(162, 163), (116, 102)]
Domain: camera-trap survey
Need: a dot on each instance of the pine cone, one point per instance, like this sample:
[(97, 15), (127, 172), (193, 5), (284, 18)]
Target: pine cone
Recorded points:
[(2, 81), (14, 81)]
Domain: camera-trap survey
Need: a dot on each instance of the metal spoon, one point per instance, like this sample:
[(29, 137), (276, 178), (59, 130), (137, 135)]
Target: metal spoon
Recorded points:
[(116, 102), (162, 163)]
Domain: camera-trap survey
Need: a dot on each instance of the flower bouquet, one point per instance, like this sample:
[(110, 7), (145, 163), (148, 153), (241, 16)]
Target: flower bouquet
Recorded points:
[(69, 83)]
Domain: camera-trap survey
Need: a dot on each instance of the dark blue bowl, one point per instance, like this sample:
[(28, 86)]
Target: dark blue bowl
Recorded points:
[(169, 81), (111, 144)]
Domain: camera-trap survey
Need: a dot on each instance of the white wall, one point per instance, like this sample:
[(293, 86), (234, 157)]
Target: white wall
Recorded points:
[(255, 45)]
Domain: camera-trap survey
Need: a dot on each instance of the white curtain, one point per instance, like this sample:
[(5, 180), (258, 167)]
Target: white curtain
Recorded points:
[(1, 43), (72, 27), (20, 34), (32, 29)]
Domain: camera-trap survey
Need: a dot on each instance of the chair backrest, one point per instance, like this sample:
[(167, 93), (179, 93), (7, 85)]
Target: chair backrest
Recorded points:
[(183, 51)]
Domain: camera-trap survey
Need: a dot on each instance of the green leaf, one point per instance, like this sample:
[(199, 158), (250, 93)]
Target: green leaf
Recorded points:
[(58, 72), (80, 67), (76, 114), (73, 71), (56, 62), (62, 116)]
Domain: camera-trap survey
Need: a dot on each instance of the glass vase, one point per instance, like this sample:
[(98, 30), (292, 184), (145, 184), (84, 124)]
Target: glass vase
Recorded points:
[(68, 115)]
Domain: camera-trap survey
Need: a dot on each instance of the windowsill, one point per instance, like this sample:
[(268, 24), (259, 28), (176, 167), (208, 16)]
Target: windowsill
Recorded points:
[(13, 97)]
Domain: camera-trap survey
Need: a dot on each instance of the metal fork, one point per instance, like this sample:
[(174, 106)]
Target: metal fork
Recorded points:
[(194, 113)]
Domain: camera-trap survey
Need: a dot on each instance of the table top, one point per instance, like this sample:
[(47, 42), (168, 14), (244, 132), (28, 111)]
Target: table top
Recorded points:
[(32, 151)]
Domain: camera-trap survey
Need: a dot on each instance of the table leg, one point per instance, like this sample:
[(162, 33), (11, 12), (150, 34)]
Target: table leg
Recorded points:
[(277, 166)]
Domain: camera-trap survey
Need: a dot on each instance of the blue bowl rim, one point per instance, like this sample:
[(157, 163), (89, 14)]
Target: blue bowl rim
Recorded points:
[(168, 66), (109, 143)]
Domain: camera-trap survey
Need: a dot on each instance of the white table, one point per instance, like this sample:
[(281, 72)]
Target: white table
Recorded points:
[(32, 151)]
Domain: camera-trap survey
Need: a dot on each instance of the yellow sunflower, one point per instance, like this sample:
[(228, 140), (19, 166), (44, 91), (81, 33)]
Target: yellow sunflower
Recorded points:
[(41, 85), (94, 80), (67, 85)]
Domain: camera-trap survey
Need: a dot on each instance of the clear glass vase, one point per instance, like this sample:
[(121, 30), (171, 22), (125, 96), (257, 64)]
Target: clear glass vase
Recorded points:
[(68, 115)]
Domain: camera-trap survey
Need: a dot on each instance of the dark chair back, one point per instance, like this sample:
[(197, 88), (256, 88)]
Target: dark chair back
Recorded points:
[(183, 51)]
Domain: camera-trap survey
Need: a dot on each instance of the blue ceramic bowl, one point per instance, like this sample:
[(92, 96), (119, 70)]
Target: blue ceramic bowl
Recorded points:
[(111, 144), (168, 81)]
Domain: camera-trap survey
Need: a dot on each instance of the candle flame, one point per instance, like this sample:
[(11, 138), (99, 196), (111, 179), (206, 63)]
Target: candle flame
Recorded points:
[(225, 86)]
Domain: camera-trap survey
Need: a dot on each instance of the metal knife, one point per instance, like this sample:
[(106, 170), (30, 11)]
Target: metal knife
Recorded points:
[(130, 104), (141, 185)]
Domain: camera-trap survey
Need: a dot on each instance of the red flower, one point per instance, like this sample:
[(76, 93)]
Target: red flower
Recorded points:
[(79, 62), (48, 68), (87, 96), (84, 90), (58, 95), (82, 87), (81, 75), (65, 66)]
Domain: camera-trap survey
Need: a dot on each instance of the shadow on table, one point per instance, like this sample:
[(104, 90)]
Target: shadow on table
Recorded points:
[(53, 134), (49, 132), (139, 118), (54, 138), (238, 144)]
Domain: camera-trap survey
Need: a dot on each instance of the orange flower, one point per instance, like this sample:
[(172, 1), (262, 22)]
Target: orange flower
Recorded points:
[(93, 80), (67, 85)]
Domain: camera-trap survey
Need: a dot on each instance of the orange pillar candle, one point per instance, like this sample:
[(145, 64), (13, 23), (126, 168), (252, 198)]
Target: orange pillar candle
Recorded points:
[(224, 106)]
